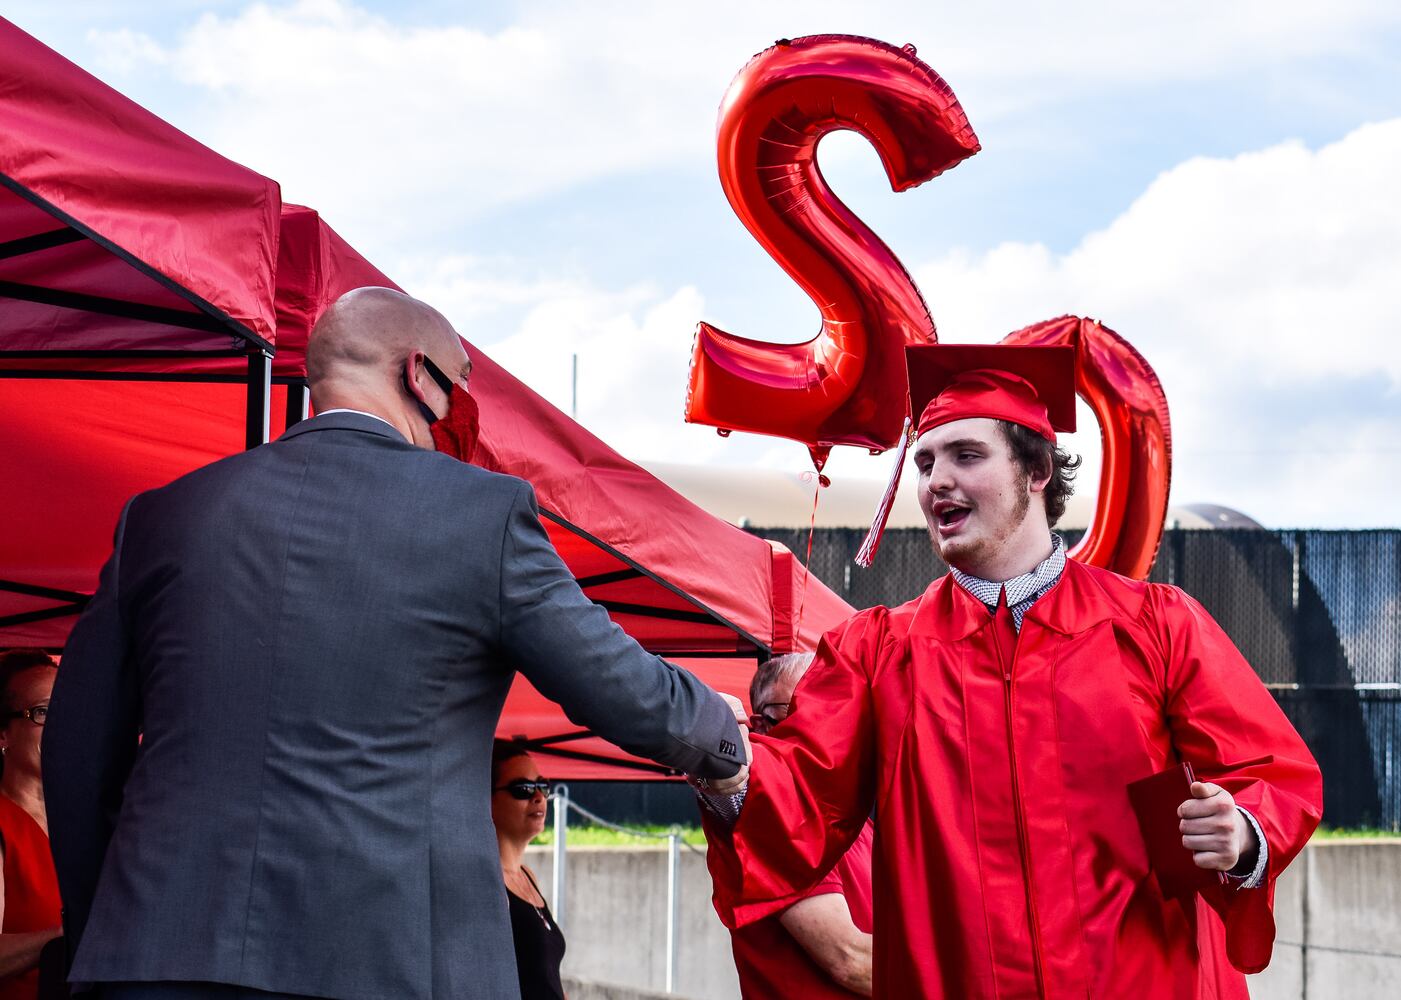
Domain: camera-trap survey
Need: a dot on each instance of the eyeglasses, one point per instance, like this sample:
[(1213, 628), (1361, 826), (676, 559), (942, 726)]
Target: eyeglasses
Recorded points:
[(37, 714), (523, 789), (763, 721)]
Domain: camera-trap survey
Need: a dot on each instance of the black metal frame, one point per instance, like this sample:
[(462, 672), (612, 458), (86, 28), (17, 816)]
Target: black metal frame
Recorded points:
[(207, 317), (104, 306), (259, 380), (635, 569), (548, 746), (73, 603), (240, 334)]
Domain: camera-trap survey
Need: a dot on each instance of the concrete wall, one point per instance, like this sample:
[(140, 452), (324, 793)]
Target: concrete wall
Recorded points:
[(1337, 913), (585, 989), (1338, 921), (615, 920)]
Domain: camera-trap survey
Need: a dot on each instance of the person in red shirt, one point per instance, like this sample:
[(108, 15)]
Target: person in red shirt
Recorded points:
[(821, 945), (994, 725), (29, 903)]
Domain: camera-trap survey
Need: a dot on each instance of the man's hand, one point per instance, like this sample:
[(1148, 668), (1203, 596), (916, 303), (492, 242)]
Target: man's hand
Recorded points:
[(736, 706), (1213, 828), (735, 784)]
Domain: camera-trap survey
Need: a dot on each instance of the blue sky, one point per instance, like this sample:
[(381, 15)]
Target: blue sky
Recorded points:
[(1216, 182)]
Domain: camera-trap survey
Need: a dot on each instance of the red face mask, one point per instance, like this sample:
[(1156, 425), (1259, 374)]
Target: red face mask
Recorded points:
[(456, 434)]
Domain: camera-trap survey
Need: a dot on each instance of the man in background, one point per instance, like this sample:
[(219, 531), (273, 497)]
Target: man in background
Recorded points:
[(821, 945)]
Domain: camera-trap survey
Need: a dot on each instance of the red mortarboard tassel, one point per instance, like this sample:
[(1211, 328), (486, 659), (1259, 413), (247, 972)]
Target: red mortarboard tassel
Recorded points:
[(871, 545)]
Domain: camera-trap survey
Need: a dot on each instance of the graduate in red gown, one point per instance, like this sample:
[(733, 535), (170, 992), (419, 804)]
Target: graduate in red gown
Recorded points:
[(994, 725)]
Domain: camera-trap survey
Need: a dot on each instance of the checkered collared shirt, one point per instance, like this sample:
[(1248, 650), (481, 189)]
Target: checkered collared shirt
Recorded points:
[(1022, 591)]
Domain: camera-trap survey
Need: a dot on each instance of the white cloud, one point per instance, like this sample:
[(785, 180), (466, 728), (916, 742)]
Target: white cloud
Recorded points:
[(633, 346), (1261, 288), (403, 129), (125, 51)]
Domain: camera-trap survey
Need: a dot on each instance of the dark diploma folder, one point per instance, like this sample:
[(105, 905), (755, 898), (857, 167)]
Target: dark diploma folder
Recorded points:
[(1155, 801)]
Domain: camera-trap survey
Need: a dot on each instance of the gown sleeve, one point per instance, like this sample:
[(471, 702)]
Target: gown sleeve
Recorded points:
[(1226, 723), (811, 783)]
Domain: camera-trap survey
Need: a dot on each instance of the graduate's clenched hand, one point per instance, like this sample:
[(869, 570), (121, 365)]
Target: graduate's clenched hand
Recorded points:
[(1213, 829)]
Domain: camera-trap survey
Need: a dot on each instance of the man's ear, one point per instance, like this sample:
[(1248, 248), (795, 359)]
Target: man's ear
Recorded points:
[(412, 364), (1040, 477)]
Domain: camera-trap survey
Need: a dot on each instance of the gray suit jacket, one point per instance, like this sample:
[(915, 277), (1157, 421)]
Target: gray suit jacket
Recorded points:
[(314, 639)]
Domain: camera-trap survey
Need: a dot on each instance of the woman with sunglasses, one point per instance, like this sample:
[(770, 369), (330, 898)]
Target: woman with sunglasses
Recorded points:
[(29, 894), (518, 805)]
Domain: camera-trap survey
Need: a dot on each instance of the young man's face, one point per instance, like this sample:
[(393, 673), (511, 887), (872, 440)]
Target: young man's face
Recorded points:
[(973, 493)]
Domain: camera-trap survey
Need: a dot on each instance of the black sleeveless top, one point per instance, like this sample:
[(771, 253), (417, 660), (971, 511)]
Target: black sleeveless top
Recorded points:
[(539, 947)]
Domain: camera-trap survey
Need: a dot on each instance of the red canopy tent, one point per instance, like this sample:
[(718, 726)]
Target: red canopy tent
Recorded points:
[(119, 233), (107, 386)]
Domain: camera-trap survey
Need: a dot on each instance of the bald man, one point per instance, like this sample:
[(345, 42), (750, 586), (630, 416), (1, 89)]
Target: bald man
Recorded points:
[(313, 641)]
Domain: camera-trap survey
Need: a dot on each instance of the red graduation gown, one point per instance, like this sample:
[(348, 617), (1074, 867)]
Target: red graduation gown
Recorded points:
[(1008, 862)]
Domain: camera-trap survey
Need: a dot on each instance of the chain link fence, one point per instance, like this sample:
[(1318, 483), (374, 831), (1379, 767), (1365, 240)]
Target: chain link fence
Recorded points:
[(1318, 614)]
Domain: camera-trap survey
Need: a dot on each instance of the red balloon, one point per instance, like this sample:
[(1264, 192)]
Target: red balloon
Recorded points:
[(847, 384), (1128, 401)]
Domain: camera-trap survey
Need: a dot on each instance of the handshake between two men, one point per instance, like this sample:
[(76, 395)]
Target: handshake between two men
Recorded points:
[(265, 761)]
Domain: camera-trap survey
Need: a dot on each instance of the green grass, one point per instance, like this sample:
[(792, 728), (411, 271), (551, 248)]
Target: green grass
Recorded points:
[(1354, 832), (601, 836)]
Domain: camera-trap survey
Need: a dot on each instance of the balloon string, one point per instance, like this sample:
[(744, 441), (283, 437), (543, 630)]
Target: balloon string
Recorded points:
[(820, 481)]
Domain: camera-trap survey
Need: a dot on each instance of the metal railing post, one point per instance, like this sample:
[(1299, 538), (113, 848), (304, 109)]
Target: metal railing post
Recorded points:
[(673, 906), (562, 803)]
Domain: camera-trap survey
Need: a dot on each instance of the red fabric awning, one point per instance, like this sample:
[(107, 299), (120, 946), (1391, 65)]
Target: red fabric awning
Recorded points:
[(118, 232), (168, 230)]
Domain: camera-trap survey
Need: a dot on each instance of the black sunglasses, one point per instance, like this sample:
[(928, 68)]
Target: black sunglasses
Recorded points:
[(523, 789)]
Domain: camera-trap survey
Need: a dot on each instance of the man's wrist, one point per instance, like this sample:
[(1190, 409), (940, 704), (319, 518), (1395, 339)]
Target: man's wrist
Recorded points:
[(1253, 876), (725, 806)]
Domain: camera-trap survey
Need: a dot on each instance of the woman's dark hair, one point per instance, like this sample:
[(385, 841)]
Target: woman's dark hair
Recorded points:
[(15, 661), (502, 751), (1035, 455)]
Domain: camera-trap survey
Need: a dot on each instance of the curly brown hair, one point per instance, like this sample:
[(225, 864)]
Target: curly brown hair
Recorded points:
[(1034, 455)]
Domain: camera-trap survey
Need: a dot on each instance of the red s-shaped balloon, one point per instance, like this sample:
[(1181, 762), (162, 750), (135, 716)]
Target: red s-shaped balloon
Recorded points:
[(847, 385)]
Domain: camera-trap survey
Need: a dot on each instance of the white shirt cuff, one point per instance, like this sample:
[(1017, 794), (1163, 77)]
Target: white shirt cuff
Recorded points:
[(1257, 874)]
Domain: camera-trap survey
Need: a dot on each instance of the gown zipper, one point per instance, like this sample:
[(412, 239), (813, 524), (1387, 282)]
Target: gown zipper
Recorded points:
[(1019, 810)]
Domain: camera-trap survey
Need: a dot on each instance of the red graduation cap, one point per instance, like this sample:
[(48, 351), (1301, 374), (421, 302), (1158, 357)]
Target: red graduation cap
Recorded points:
[(1031, 386)]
